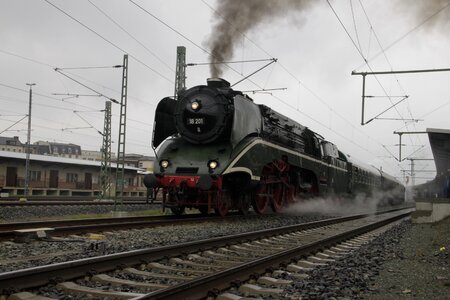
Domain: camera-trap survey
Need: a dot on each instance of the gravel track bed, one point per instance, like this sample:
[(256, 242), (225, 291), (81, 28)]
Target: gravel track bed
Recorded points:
[(408, 261), (38, 213), (16, 256)]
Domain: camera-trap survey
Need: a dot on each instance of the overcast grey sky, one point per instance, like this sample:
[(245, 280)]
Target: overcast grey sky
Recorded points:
[(315, 59)]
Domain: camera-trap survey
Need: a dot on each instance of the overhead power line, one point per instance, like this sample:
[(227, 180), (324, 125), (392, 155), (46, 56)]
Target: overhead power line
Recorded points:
[(383, 50), (368, 65), (229, 62), (131, 36), (109, 42), (6, 129), (187, 39), (73, 74), (84, 68), (89, 88)]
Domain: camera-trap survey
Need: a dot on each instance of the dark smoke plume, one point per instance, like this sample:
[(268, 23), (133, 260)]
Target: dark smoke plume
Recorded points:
[(239, 17)]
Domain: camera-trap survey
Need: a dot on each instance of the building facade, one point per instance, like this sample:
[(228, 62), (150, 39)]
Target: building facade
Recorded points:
[(60, 176), (11, 144)]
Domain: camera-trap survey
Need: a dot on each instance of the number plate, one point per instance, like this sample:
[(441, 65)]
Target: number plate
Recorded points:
[(195, 121)]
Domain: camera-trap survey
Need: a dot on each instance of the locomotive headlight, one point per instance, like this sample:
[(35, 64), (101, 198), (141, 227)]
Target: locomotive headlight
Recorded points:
[(164, 163), (212, 164), (195, 105)]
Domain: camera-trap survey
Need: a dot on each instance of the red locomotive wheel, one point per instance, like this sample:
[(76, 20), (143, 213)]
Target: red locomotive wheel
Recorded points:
[(244, 202), (291, 195), (222, 204), (277, 197), (261, 199)]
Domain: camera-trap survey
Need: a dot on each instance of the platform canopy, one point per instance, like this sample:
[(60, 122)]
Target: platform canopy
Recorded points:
[(440, 145)]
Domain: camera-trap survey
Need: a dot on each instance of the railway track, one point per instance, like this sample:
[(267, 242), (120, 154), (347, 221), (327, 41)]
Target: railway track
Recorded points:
[(192, 270), (65, 227), (73, 202)]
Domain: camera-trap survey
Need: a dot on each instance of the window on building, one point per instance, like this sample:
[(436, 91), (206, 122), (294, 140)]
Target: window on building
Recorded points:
[(71, 177), (35, 175), (130, 181)]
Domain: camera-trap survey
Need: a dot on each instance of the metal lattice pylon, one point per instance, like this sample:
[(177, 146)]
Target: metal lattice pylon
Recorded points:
[(180, 72), (105, 170), (120, 168)]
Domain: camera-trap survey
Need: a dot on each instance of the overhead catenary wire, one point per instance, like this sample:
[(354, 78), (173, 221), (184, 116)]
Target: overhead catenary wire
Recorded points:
[(71, 110), (84, 85), (229, 62), (366, 61), (91, 67), (87, 122), (131, 36), (15, 100), (66, 109), (110, 89), (186, 38), (354, 25), (13, 124), (109, 42), (40, 95), (406, 34), (383, 51), (72, 74), (62, 100)]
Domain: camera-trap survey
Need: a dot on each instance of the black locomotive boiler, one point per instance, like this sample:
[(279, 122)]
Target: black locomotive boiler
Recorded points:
[(218, 150)]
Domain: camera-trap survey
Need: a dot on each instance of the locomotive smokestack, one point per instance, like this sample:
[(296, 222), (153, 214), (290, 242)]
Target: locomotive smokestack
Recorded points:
[(218, 83)]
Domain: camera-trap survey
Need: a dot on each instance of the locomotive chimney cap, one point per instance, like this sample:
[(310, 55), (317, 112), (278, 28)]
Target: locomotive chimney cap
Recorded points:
[(218, 83)]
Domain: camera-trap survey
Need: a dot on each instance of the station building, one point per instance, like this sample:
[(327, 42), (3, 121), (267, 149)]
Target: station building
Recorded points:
[(61, 176)]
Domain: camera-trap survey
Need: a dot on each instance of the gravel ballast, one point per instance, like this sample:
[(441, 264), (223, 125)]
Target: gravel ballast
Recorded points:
[(46, 212), (408, 261), (418, 267), (22, 255)]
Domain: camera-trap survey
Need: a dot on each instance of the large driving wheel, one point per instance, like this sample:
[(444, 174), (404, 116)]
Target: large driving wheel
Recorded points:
[(244, 202), (261, 198), (277, 197), (222, 204), (173, 199)]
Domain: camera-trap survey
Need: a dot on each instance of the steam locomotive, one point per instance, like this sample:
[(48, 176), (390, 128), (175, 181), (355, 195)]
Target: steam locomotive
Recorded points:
[(218, 151)]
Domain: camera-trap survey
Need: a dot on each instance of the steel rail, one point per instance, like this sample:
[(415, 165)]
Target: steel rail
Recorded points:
[(38, 276), (198, 288), (31, 198), (56, 202), (41, 275), (63, 227)]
